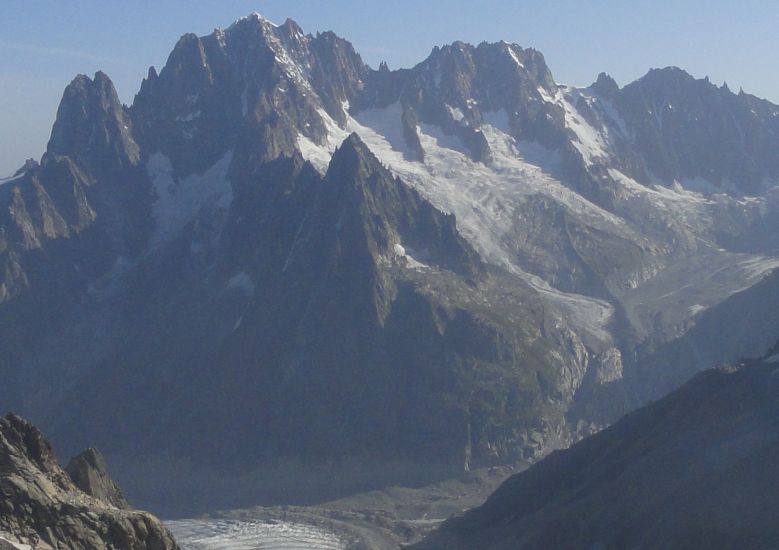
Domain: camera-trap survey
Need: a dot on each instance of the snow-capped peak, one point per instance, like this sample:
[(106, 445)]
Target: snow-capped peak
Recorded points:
[(254, 16)]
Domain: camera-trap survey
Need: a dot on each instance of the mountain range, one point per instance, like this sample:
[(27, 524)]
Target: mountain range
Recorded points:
[(278, 255)]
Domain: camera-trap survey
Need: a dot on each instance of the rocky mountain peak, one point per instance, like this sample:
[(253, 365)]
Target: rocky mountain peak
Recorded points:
[(190, 67), (254, 84), (338, 72), (257, 26), (20, 441), (29, 164), (460, 85), (671, 72), (669, 82), (291, 27), (253, 18), (91, 126), (392, 213), (687, 128), (89, 471), (352, 159), (286, 43), (605, 86)]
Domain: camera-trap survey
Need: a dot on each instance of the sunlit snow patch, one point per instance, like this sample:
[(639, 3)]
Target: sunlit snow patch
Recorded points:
[(178, 202), (589, 141), (402, 252), (695, 309)]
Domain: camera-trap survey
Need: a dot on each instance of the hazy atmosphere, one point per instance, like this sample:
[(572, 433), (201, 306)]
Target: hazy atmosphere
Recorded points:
[(45, 42), (389, 275)]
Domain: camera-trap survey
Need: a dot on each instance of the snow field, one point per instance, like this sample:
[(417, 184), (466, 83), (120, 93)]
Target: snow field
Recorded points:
[(251, 535)]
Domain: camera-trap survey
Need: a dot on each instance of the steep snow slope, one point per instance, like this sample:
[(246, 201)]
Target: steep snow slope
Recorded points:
[(178, 202)]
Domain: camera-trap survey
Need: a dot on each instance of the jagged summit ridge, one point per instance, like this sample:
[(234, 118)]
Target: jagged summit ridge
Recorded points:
[(91, 120), (605, 85), (341, 85), (232, 85), (354, 153), (255, 15), (407, 220)]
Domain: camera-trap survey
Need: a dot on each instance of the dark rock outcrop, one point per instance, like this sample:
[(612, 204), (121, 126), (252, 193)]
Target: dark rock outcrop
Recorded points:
[(91, 126), (605, 86), (89, 472), (41, 506)]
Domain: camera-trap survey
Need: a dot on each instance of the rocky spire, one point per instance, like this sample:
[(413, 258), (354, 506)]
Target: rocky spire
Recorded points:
[(89, 472), (393, 213), (605, 86), (91, 126), (29, 164)]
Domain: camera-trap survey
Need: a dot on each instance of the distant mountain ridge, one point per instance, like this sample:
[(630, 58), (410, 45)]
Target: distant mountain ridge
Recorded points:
[(279, 252)]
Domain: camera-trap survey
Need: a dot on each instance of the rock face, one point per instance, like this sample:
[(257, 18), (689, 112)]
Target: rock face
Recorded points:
[(91, 126), (277, 253), (688, 128), (353, 276), (41, 506), (89, 472), (695, 469)]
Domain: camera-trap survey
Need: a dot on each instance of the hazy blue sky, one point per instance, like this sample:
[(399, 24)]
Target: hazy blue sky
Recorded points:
[(45, 43)]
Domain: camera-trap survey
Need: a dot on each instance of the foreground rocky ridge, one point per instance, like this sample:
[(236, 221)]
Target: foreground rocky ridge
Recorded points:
[(42, 507), (695, 469), (279, 253)]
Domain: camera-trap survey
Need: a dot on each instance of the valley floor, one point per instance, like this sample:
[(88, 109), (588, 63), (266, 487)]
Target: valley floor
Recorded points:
[(379, 520)]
